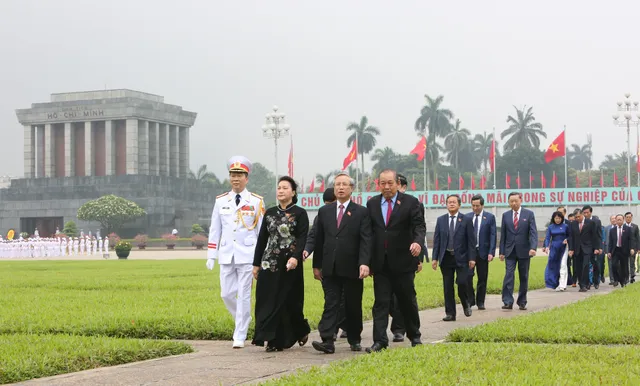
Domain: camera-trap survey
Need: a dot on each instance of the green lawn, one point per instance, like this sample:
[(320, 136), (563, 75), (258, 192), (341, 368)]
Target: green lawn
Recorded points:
[(161, 299), (25, 357), (613, 318), (482, 364)]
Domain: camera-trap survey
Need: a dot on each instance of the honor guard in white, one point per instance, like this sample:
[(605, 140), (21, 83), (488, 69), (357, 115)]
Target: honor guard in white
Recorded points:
[(235, 223)]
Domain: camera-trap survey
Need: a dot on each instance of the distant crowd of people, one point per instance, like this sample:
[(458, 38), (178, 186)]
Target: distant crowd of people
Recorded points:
[(36, 246)]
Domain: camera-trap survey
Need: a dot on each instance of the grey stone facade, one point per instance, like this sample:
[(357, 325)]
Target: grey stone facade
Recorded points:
[(169, 202)]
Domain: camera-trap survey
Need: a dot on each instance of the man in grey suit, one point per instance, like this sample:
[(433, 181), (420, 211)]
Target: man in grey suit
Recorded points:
[(635, 243), (607, 230), (518, 244)]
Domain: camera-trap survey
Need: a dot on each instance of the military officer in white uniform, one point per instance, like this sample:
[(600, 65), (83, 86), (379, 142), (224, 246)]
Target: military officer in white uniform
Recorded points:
[(235, 223)]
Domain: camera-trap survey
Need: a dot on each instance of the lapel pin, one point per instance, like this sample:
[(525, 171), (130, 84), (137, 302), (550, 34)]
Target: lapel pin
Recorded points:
[(484, 218), (348, 213), (398, 202)]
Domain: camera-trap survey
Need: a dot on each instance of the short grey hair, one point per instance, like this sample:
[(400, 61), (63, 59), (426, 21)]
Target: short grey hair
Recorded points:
[(352, 182)]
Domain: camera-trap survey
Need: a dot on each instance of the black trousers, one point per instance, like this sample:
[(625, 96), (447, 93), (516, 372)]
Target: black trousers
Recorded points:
[(333, 287), (452, 273), (397, 320), (342, 316), (620, 266), (581, 265), (385, 285), (482, 270)]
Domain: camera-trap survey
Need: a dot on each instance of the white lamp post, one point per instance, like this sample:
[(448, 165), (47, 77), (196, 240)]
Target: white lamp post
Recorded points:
[(275, 128), (626, 121)]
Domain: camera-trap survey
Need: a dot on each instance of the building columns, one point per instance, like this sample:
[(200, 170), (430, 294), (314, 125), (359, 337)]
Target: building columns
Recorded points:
[(29, 152), (143, 147), (49, 152), (154, 149), (132, 146), (69, 150), (163, 155), (183, 151), (174, 158), (89, 146), (109, 149)]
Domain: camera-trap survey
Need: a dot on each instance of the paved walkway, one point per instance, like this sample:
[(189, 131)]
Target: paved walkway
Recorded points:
[(216, 363)]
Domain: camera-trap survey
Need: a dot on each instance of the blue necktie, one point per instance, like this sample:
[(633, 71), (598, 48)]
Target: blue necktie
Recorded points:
[(237, 199), (475, 225), (451, 232)]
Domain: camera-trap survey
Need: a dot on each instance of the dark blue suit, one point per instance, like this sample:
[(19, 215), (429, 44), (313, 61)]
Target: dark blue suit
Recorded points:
[(515, 245), (486, 239), (454, 259)]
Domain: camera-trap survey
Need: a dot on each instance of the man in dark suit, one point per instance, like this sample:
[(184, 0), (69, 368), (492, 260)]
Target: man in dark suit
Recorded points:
[(607, 230), (341, 261), (587, 212), (619, 250), (584, 243), (635, 243), (484, 228), (518, 244), (328, 197), (454, 248), (397, 321), (399, 233)]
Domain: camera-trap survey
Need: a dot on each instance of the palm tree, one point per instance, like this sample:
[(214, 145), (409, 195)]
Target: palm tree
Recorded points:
[(580, 156), (384, 158), (203, 176), (456, 143), (616, 161), (524, 131), (433, 123), (482, 148), (366, 137)]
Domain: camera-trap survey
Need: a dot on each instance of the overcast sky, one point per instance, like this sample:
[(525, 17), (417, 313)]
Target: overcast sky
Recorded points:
[(325, 63)]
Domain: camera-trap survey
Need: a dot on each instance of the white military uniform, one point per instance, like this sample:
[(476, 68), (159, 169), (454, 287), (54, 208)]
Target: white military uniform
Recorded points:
[(232, 241)]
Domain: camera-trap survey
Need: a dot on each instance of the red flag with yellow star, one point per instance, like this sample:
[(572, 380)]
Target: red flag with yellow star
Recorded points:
[(556, 149), (353, 154), (420, 149)]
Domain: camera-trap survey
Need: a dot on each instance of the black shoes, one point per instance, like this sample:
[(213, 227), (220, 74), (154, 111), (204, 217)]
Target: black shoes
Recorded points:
[(272, 349), (507, 307), (343, 335), (467, 312), (449, 318), (415, 342), (356, 347), (398, 337), (522, 307), (583, 290), (325, 347), (481, 307), (376, 347)]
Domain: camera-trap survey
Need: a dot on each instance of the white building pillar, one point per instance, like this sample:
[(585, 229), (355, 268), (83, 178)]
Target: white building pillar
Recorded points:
[(89, 146), (49, 151), (109, 149), (143, 147), (69, 150), (174, 158), (154, 150), (163, 155), (29, 152), (132, 146)]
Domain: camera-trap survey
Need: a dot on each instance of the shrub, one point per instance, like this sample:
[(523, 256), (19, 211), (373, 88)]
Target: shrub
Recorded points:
[(142, 240), (123, 246), (24, 235), (196, 229), (70, 229), (113, 239), (110, 211), (199, 241)]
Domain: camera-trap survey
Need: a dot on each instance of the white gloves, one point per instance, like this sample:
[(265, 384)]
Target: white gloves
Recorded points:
[(211, 263)]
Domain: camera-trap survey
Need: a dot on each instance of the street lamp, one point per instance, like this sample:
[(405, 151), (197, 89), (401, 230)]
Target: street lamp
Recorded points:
[(275, 128), (626, 121)]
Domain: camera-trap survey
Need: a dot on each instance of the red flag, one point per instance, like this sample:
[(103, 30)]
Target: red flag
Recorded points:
[(590, 181), (602, 178), (353, 154), (420, 149), (507, 180), (448, 181), (518, 180), (368, 184), (556, 149), (615, 179), (290, 162), (492, 156), (473, 182), (461, 182), (436, 184), (312, 186), (531, 178), (554, 179), (413, 183), (377, 186), (626, 182), (577, 181), (322, 186), (543, 180), (483, 182)]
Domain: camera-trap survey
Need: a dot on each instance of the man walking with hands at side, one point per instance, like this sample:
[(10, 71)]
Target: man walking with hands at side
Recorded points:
[(518, 244), (484, 228), (454, 247)]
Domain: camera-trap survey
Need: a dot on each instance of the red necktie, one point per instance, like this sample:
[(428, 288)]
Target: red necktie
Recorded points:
[(389, 209), (515, 220), (340, 214), (619, 237), (580, 227)]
